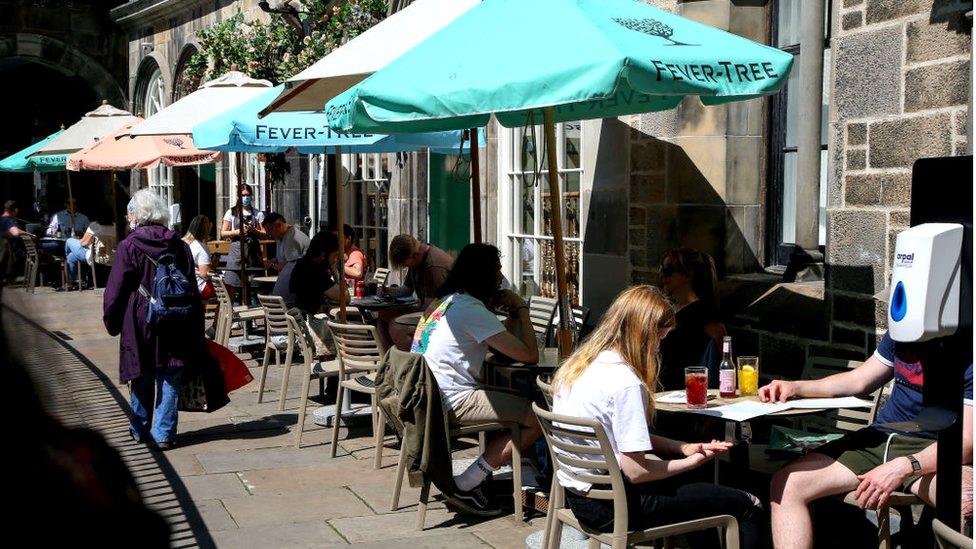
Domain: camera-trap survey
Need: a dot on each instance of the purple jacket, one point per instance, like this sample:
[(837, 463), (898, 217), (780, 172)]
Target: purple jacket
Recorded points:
[(125, 308)]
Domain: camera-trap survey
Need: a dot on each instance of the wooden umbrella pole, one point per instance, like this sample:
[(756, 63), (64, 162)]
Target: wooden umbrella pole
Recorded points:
[(115, 207), (563, 333), (340, 222), (475, 185)]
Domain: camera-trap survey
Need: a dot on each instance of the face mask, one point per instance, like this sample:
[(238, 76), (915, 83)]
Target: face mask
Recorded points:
[(132, 225), (246, 200)]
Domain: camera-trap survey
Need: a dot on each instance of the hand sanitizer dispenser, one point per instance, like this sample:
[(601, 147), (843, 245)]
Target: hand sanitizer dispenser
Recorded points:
[(924, 301)]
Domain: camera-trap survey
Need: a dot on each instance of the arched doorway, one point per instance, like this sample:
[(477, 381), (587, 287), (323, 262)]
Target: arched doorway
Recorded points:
[(43, 68), (150, 98)]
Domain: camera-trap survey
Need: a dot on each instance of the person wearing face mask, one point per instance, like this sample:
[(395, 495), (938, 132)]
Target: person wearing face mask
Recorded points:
[(230, 228)]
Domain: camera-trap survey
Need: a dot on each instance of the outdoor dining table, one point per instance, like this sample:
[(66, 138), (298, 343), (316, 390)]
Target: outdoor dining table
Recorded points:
[(370, 305), (270, 279), (518, 375)]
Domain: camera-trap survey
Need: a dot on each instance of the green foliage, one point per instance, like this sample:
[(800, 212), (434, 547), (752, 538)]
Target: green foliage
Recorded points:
[(275, 50)]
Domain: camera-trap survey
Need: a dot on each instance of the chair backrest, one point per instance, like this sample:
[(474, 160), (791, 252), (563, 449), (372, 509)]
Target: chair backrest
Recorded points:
[(275, 315), (947, 538), (582, 443), (307, 351), (225, 311), (30, 247), (544, 382), (541, 311), (381, 275), (845, 419), (357, 345)]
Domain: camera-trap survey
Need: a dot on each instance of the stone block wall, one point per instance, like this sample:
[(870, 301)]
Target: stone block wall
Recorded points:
[(900, 87)]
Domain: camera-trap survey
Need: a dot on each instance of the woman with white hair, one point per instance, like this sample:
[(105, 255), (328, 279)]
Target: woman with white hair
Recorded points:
[(151, 361)]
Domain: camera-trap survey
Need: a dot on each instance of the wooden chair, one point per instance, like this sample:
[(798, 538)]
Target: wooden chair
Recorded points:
[(31, 264), (541, 311), (280, 337), (314, 369), (227, 314), (947, 538), (457, 432), (582, 442), (360, 355)]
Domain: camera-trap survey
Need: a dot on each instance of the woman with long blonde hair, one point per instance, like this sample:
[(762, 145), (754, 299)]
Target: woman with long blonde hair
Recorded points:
[(610, 379)]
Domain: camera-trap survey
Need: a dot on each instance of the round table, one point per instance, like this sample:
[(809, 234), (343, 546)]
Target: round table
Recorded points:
[(409, 319), (372, 303), (714, 401)]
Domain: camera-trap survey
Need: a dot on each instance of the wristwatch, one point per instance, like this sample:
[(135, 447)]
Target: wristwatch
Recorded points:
[(916, 466)]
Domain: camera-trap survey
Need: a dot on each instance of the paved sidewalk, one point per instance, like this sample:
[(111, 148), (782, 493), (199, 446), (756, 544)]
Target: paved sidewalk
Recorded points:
[(236, 478)]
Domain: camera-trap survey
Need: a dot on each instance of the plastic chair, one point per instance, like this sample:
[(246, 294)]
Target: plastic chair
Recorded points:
[(280, 337), (581, 442), (31, 264), (227, 314), (359, 359), (314, 369), (381, 275), (947, 538), (541, 311)]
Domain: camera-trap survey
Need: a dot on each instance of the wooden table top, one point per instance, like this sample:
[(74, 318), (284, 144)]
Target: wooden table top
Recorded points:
[(548, 359)]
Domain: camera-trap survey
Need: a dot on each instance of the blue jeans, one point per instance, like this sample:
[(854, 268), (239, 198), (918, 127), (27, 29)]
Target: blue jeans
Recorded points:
[(75, 253), (154, 400)]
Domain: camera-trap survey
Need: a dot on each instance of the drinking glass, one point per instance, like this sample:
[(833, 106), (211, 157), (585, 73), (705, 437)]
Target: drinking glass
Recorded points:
[(696, 386), (748, 375)]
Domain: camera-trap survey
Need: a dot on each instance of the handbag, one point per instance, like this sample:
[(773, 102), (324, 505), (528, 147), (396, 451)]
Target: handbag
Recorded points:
[(202, 388), (235, 372)]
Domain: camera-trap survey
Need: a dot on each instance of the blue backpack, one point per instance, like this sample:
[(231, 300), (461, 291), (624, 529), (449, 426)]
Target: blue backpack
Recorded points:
[(173, 297)]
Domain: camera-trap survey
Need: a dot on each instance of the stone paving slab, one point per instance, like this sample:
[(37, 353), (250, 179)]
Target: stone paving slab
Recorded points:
[(218, 486), (281, 536), (258, 510)]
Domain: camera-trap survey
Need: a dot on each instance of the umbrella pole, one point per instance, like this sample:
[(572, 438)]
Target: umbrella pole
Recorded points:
[(475, 185), (340, 222), (239, 168), (563, 334)]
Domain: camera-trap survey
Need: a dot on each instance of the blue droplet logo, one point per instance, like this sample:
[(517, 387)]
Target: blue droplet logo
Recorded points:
[(898, 307)]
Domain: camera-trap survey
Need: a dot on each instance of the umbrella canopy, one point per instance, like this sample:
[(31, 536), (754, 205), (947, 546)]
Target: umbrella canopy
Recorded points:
[(21, 161), (92, 127), (123, 151), (217, 95), (240, 130), (367, 53), (586, 58)]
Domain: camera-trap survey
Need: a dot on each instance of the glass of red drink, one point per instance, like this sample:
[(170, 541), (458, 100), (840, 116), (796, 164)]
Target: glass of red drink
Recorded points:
[(696, 386)]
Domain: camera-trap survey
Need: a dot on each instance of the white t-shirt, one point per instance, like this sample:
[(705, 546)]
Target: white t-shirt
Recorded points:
[(610, 392), (231, 217), (200, 257), (456, 348)]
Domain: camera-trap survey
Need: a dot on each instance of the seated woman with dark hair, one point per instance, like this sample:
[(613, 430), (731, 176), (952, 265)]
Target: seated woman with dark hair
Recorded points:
[(688, 277), (454, 337)]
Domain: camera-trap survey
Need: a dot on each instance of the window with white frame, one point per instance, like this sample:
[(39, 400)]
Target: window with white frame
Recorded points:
[(160, 178), (368, 192), (527, 223)]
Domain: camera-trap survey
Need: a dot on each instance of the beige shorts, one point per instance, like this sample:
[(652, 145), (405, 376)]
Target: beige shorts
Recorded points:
[(483, 406)]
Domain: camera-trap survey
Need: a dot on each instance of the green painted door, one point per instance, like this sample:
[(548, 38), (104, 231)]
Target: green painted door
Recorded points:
[(450, 202)]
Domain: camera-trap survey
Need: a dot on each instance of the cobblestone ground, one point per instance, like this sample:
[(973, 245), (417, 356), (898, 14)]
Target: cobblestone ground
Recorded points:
[(236, 478)]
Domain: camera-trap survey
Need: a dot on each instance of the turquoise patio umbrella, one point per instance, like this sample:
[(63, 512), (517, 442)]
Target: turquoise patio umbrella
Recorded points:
[(22, 161), (572, 60), (240, 129)]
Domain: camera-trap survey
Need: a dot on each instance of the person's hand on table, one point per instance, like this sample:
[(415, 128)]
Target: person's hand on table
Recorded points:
[(777, 391), (878, 483)]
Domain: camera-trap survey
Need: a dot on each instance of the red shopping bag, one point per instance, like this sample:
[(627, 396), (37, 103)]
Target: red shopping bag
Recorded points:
[(236, 374)]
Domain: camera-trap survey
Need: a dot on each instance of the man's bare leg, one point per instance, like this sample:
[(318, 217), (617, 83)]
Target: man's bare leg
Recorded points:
[(793, 488), (498, 452), (925, 489)]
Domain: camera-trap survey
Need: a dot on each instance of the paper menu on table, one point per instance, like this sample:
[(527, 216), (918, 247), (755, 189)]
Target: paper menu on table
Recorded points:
[(743, 411), (840, 402), (676, 397)]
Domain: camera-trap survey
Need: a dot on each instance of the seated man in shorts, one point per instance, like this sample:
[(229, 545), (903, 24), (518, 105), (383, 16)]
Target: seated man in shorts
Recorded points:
[(454, 337), (875, 461)]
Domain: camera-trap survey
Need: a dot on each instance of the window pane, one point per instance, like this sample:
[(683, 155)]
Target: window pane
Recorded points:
[(527, 152), (571, 184), (823, 199), (792, 103), (526, 267), (525, 194), (789, 198), (571, 145), (789, 23)]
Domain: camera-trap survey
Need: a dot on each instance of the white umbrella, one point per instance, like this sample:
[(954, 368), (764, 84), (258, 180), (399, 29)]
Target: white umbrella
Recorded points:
[(217, 95), (367, 53), (92, 127)]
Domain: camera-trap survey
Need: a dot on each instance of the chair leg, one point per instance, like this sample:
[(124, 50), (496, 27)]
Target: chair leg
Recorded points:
[(557, 533), (284, 378), (302, 405), (550, 513), (593, 543), (884, 527), (482, 441), (732, 534), (422, 504), (264, 372), (517, 474), (379, 430), (336, 418), (401, 470)]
